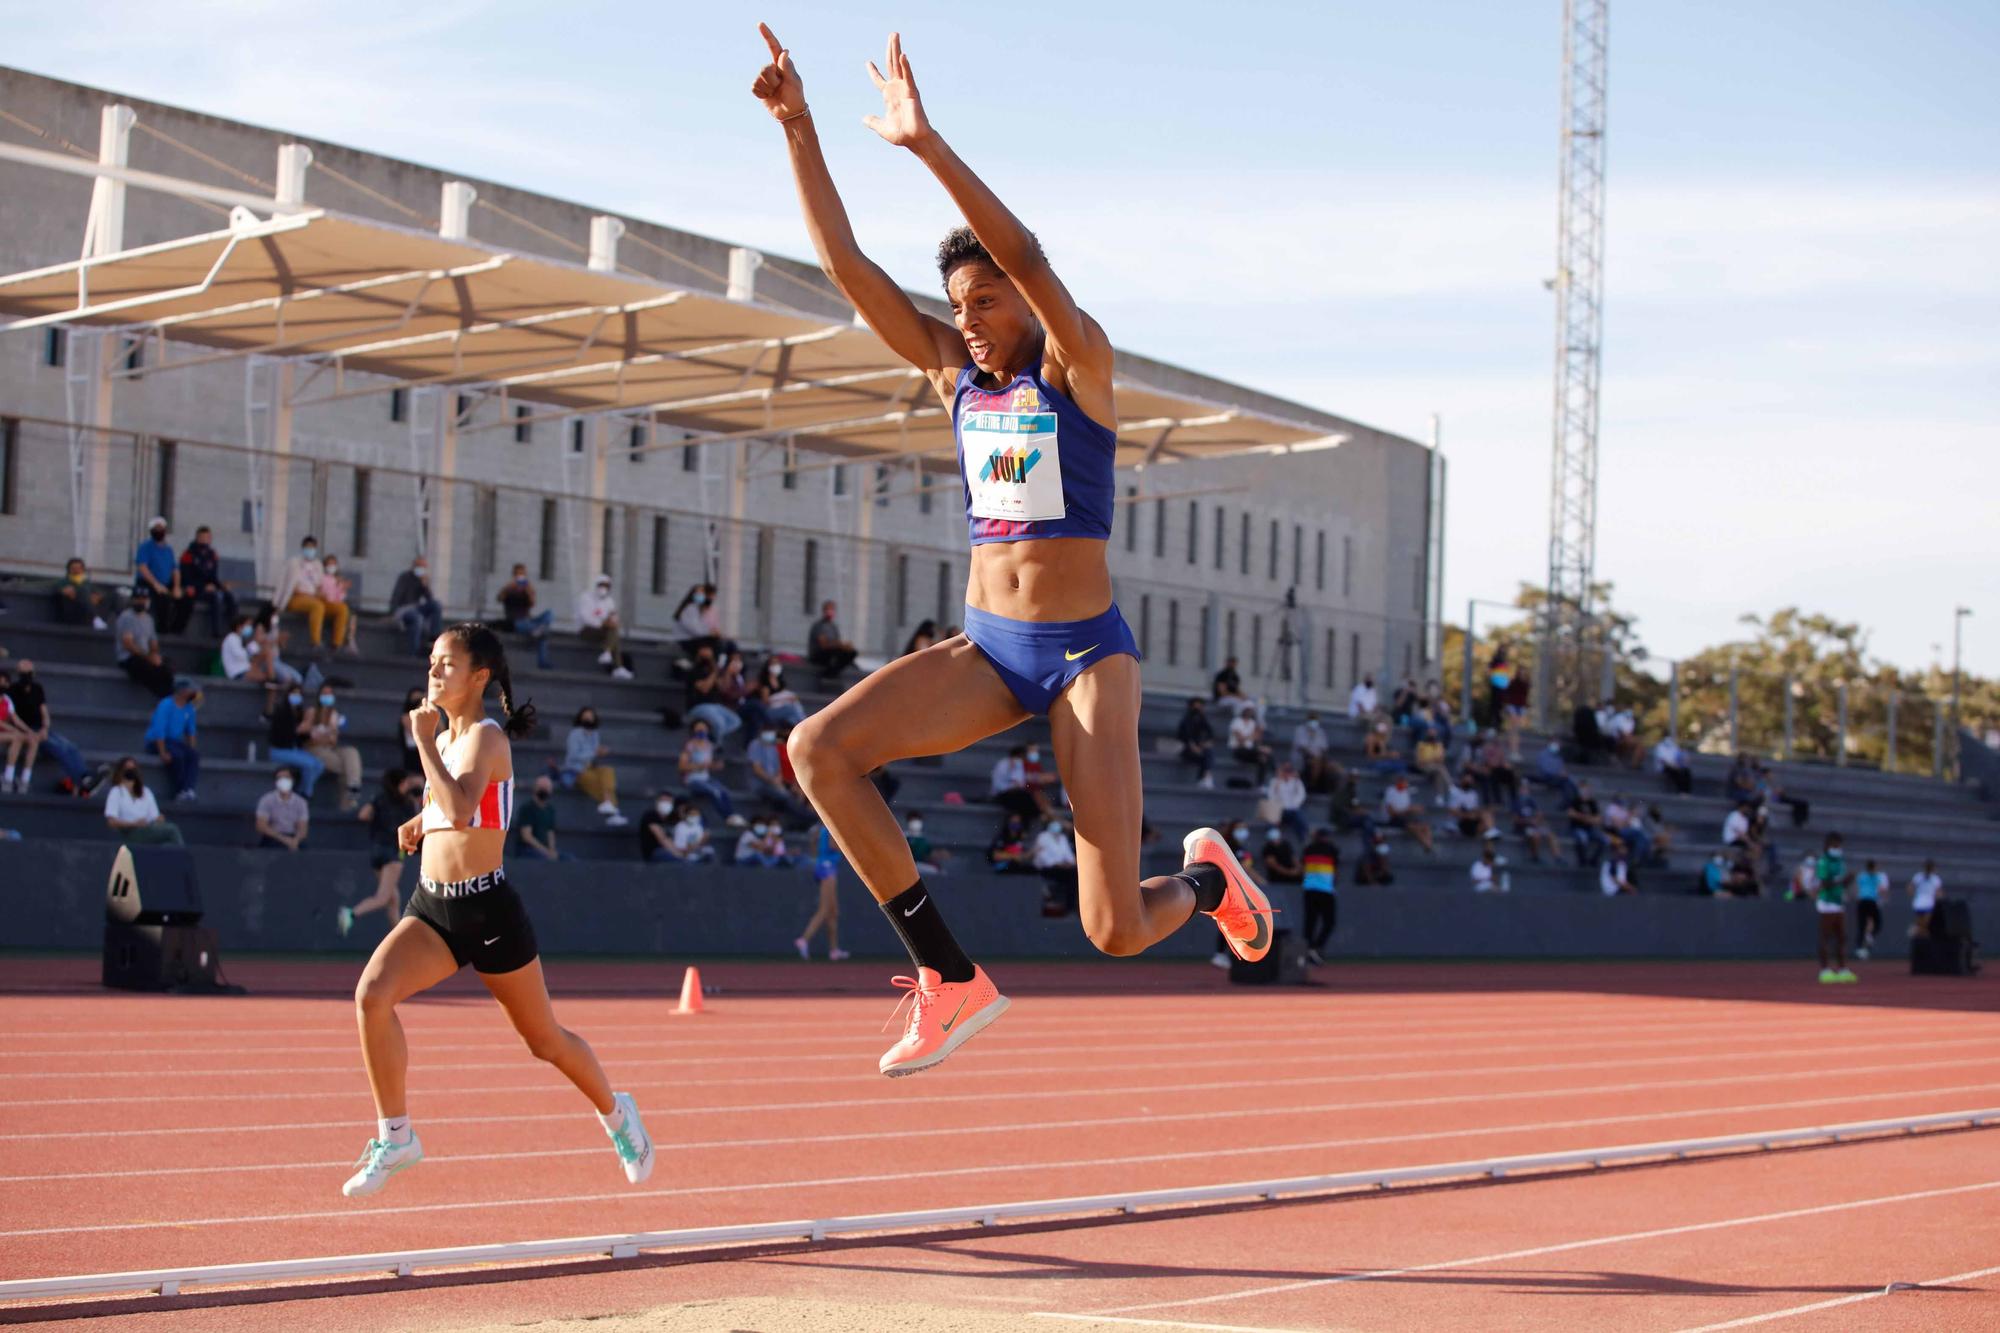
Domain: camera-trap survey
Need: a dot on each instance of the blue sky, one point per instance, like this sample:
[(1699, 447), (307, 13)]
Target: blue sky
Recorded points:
[(1350, 204)]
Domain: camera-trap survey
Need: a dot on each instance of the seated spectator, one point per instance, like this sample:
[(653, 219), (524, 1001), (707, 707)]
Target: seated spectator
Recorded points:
[(776, 853), (656, 831), (1197, 739), (136, 646), (1769, 790), (155, 568), (15, 735), (1532, 828), (268, 642), (1514, 709), (1040, 779), (1373, 867), (1805, 880), (302, 592), (691, 843), (1309, 754), (1493, 771), (1054, 858), (1660, 835), (1277, 860), (1010, 789), (1400, 811), (412, 607), (201, 581), (247, 656), (829, 653), (1591, 742), (1382, 756), (1623, 818), (597, 622), (1670, 761), (334, 589), (130, 810), (700, 624), (1715, 875), (1403, 704), (768, 779), (1227, 688), (1467, 809), (74, 601), (714, 692), (517, 604), (1586, 825), (583, 769), (395, 804), (535, 824), (1246, 743), (29, 705), (1741, 784), (1361, 699), (701, 770), (930, 859), (1287, 793), (1428, 761), (767, 703), (321, 728), (1613, 874), (1550, 771), (1736, 825), (285, 723), (282, 815), (923, 636), (1008, 852), (1443, 715), (1761, 846), (1622, 729), (172, 736), (1486, 873), (753, 848)]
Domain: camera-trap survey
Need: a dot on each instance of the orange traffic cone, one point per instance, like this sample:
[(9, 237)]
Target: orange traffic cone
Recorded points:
[(690, 993)]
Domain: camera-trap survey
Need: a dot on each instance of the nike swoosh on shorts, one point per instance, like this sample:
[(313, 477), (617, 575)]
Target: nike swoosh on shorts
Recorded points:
[(1072, 657)]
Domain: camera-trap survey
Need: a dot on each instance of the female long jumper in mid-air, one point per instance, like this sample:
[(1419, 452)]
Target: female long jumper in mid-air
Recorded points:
[(465, 911), (1027, 377)]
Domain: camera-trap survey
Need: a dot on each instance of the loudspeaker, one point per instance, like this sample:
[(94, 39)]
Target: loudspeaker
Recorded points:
[(158, 958), (1279, 965), (1950, 949), (153, 886)]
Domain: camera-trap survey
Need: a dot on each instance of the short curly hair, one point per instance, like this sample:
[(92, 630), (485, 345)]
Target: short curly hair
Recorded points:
[(960, 246)]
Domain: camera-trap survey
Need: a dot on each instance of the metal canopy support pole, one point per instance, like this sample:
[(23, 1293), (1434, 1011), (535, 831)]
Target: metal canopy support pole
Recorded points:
[(455, 202), (732, 557), (1735, 738), (293, 159), (743, 266), (604, 234), (1786, 685), (444, 510), (104, 234), (276, 407), (1674, 700), (1465, 689), (1840, 755), (598, 514), (1937, 738), (1889, 748)]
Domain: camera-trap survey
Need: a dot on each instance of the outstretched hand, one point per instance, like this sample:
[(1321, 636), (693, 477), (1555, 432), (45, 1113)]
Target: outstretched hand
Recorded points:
[(902, 121), (778, 85)]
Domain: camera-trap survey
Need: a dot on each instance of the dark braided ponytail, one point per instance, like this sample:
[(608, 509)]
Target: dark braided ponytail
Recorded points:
[(483, 646)]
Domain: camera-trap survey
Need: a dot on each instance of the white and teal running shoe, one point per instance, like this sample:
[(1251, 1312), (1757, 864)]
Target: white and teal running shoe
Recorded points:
[(379, 1161), (634, 1145)]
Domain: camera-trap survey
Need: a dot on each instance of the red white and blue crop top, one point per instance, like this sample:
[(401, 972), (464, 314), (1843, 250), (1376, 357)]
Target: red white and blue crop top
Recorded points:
[(495, 808), (1034, 464)]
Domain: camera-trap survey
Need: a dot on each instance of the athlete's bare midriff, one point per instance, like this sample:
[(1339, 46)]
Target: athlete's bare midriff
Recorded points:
[(1051, 579)]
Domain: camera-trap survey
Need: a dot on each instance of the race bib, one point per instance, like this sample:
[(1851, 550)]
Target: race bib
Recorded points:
[(1013, 465)]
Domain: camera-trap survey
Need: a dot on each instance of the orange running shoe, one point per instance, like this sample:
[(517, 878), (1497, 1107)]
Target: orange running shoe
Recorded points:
[(942, 1015), (1245, 915)]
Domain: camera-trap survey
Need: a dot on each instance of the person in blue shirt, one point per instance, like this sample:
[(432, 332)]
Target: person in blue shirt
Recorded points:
[(171, 735), (1027, 379), (1869, 886), (157, 569)]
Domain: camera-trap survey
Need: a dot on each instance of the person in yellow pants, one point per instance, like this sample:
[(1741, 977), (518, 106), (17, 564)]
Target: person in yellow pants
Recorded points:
[(305, 586)]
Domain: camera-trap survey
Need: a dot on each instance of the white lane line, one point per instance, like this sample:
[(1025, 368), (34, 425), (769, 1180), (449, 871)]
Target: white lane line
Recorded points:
[(1012, 1035), (1162, 1323), (1563, 1247), (1035, 1127), (358, 1213), (1859, 1296), (1236, 1085)]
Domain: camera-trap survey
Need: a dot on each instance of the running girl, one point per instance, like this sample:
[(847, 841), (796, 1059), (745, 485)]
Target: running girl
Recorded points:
[(1027, 377), (384, 816), (464, 911), (826, 914)]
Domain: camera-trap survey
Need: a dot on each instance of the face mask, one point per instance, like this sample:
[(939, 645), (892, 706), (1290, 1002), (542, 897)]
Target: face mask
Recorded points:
[(295, 698), (333, 569), (309, 552), (521, 578), (420, 570), (603, 590), (1270, 835), (248, 631), (770, 737), (1240, 836), (701, 736), (916, 826), (664, 807), (1034, 756), (130, 775), (159, 534), (588, 723), (78, 578), (326, 701), (701, 600), (541, 798), (284, 784), (26, 678), (778, 677), (758, 831)]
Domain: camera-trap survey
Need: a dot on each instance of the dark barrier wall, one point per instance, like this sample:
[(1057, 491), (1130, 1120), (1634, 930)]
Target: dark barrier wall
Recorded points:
[(52, 896)]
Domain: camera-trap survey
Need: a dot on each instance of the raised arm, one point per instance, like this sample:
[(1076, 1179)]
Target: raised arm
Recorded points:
[(1076, 343), (928, 344)]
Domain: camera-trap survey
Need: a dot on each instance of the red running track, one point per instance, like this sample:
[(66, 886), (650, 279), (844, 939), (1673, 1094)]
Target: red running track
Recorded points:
[(137, 1132)]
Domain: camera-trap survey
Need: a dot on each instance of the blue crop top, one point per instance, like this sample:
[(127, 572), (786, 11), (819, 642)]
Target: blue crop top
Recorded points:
[(1033, 463)]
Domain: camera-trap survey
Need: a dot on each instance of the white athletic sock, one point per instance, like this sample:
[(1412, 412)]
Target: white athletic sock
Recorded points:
[(8, 777), (394, 1129), (615, 1121)]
